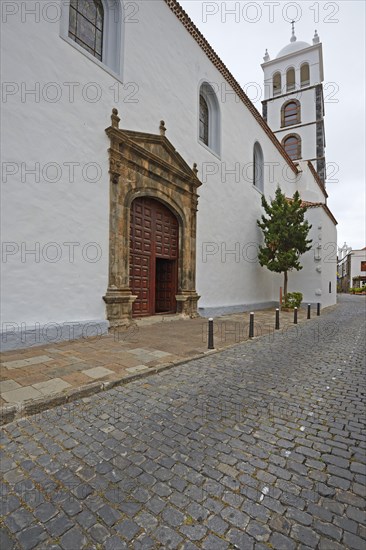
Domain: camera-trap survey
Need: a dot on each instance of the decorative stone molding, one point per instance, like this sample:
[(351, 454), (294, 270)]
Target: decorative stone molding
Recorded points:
[(187, 304), (147, 165), (119, 306)]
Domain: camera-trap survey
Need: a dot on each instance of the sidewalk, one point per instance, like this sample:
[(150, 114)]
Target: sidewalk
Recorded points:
[(38, 378)]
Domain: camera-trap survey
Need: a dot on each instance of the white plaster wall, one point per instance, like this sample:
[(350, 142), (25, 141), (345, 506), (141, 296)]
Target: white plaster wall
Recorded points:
[(319, 263), (308, 139), (311, 281), (308, 188), (308, 108), (308, 116), (69, 210), (229, 205), (329, 260), (163, 67)]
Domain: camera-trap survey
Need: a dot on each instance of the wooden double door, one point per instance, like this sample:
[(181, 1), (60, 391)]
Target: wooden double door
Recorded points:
[(154, 246)]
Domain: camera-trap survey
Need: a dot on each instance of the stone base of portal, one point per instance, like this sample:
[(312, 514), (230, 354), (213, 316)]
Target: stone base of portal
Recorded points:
[(119, 307), (187, 304)]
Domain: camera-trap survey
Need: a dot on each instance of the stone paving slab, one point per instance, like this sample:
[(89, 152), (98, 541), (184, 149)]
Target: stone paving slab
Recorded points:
[(8, 385), (97, 372), (261, 446), (152, 343), (21, 394), (51, 386)]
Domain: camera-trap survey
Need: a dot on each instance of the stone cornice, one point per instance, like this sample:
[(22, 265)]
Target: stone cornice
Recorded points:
[(133, 141)]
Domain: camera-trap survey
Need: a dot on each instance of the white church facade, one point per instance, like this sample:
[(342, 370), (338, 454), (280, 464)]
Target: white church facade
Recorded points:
[(128, 181)]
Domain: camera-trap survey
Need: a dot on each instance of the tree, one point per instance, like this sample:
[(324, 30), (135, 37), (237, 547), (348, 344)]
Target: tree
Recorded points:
[(285, 234)]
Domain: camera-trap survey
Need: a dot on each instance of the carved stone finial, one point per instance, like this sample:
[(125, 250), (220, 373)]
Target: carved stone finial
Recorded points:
[(195, 169), (266, 56), (293, 37), (115, 118), (162, 128)]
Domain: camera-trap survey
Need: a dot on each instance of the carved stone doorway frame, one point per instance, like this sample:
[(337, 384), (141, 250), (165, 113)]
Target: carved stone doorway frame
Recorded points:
[(147, 165)]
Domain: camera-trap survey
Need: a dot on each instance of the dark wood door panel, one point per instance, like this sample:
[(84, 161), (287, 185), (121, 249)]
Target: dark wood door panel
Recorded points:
[(139, 281), (154, 234), (165, 286)]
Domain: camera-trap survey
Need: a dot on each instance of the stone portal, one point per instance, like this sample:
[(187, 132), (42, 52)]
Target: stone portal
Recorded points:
[(153, 211)]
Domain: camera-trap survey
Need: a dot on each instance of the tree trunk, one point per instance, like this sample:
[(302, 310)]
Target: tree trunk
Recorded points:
[(285, 286)]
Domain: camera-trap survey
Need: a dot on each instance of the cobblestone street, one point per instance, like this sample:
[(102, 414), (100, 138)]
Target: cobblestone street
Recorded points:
[(256, 447)]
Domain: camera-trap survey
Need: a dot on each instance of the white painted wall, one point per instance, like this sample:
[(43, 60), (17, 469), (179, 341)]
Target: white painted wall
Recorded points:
[(308, 139), (51, 206), (307, 101), (322, 259), (163, 68), (319, 264)]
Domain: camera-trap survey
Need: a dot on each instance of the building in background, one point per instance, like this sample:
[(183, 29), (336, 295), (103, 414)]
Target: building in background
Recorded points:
[(351, 269)]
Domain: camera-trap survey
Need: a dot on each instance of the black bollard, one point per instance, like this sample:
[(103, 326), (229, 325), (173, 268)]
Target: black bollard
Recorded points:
[(251, 325), (295, 316), (318, 309), (309, 306), (277, 325), (210, 334)]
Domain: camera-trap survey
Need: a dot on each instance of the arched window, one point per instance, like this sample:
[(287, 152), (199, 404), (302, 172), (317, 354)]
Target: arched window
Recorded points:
[(258, 167), (277, 84), (209, 118), (94, 27), (305, 75), (292, 145), (204, 120), (86, 25), (291, 113), (290, 79)]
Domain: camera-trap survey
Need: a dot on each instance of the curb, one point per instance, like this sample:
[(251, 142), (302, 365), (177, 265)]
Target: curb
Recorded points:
[(34, 406)]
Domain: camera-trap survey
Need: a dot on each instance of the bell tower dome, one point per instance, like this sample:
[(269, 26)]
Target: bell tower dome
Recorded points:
[(293, 104)]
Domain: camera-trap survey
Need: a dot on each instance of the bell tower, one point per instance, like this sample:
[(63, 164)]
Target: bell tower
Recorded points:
[(293, 104)]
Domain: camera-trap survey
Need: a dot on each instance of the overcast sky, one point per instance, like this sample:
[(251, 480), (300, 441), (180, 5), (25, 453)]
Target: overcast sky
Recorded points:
[(240, 40)]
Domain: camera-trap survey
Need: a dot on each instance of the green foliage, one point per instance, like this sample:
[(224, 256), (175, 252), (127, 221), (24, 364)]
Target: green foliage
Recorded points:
[(285, 233), (293, 300), (357, 290)]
